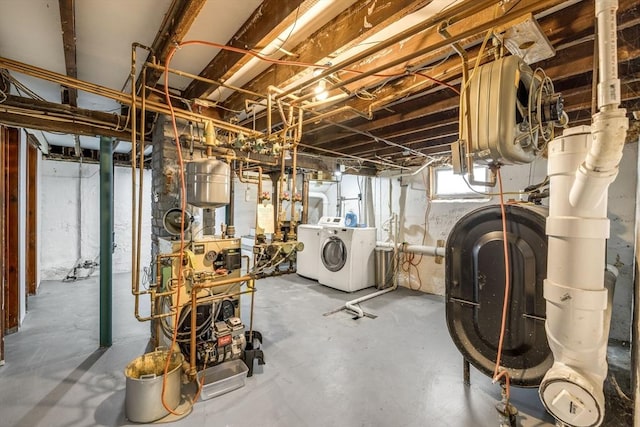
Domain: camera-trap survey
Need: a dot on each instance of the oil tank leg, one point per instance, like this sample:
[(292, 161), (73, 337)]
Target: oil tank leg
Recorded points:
[(466, 375)]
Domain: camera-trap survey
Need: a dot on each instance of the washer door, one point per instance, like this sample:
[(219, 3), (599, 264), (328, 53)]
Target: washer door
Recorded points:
[(334, 254)]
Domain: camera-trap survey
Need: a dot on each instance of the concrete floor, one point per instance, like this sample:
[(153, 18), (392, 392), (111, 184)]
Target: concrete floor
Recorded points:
[(400, 369)]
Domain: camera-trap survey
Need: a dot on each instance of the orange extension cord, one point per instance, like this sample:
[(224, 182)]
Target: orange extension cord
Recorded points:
[(497, 373)]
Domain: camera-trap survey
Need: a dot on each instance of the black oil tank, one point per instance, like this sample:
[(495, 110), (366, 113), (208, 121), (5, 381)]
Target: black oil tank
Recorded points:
[(475, 291)]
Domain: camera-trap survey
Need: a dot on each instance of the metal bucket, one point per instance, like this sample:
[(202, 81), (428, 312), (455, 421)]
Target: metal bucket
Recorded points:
[(143, 396)]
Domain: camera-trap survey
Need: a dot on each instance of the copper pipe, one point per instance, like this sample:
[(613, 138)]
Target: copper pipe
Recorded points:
[(244, 180), (280, 194), (125, 99), (192, 333), (134, 189), (141, 179), (269, 115), (221, 282), (203, 79), (305, 198)]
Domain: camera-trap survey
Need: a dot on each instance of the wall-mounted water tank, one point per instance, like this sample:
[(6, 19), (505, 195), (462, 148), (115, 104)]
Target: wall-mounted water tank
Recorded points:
[(475, 291), (208, 183)]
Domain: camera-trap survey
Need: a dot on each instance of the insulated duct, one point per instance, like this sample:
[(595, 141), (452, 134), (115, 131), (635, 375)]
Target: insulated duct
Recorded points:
[(582, 164)]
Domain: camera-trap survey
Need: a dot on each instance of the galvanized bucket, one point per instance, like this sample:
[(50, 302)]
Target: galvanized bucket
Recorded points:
[(143, 396)]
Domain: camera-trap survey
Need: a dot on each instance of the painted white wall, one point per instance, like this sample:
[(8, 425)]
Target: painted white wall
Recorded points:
[(70, 209), (620, 246), (410, 201)]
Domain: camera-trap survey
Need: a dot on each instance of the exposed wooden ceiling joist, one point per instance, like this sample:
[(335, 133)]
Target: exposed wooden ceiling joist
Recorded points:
[(352, 26), (68, 24), (451, 70), (174, 27), (568, 62), (265, 24), (48, 116)]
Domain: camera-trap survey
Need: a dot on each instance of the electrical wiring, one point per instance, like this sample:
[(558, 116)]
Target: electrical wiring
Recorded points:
[(440, 82), (20, 86), (408, 259), (295, 63), (497, 373), (293, 27), (510, 193)]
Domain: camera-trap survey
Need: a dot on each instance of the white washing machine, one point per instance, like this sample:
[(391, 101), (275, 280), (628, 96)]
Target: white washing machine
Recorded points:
[(347, 258), (331, 221), (308, 259)]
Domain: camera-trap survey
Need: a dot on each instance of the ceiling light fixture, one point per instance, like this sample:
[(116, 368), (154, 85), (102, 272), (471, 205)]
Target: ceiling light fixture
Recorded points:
[(321, 91)]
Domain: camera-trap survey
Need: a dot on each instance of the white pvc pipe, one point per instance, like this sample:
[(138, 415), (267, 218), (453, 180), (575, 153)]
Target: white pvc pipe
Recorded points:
[(600, 166), (351, 305), (582, 164), (609, 84), (577, 301), (416, 249), (325, 201)]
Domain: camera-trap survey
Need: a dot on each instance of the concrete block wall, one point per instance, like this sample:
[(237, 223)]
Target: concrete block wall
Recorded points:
[(165, 191)]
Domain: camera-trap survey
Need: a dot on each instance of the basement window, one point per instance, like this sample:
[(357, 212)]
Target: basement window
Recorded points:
[(447, 186)]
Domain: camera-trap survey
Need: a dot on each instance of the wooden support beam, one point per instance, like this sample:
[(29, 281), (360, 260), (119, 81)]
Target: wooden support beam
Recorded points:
[(270, 19), (3, 241), (68, 24), (48, 116), (177, 22), (31, 237), (11, 137), (357, 23)]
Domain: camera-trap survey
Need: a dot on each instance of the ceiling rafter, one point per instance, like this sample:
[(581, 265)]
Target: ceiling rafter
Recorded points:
[(357, 23), (265, 24), (411, 84), (580, 56), (68, 26), (177, 22)]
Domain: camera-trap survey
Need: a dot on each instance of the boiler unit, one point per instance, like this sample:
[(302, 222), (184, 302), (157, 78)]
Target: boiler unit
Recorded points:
[(220, 331)]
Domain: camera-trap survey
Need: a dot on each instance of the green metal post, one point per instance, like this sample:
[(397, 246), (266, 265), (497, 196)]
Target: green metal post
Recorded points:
[(106, 239)]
